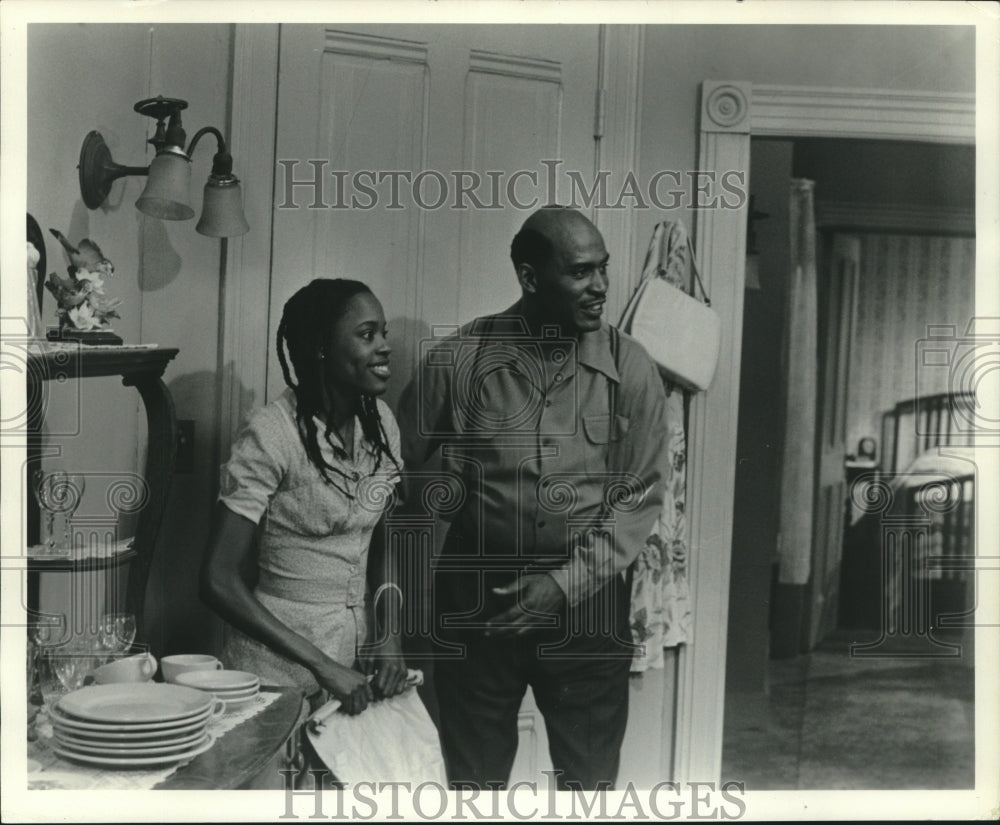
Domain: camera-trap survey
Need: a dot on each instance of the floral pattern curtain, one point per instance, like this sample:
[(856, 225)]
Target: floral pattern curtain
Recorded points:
[(661, 604)]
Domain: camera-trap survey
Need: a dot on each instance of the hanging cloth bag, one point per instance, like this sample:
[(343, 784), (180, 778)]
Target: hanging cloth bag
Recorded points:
[(682, 334)]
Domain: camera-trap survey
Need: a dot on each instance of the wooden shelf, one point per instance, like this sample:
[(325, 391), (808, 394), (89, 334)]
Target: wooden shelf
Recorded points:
[(141, 367), (68, 360), (52, 564)]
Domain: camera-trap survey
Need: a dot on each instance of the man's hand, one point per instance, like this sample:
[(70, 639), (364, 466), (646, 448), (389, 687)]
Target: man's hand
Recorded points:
[(533, 594), (385, 660)]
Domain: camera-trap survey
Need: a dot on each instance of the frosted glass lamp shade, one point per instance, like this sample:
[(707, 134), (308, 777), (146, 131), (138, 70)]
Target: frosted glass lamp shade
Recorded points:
[(167, 189), (222, 209)]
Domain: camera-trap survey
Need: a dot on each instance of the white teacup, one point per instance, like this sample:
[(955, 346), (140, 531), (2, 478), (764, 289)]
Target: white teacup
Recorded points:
[(173, 666), (130, 669)]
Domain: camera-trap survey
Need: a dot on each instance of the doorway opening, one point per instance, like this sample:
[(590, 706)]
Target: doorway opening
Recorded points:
[(900, 213)]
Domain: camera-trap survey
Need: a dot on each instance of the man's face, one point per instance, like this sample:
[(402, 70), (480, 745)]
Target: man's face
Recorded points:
[(572, 288)]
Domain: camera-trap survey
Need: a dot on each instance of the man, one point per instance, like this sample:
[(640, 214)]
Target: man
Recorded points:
[(530, 586)]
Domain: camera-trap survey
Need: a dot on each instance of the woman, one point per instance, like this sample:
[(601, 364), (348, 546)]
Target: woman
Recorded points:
[(301, 499)]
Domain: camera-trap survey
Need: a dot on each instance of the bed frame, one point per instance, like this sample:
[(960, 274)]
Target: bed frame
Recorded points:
[(885, 590), (918, 424), (910, 429)]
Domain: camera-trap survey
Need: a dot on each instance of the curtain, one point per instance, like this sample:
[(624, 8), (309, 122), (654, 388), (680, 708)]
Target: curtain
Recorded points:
[(661, 610), (799, 370)]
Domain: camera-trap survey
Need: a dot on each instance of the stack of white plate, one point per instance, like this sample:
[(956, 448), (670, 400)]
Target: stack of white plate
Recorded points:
[(236, 688), (132, 724)]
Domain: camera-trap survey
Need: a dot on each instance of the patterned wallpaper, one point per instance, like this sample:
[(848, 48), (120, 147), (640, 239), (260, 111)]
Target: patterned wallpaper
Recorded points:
[(906, 283)]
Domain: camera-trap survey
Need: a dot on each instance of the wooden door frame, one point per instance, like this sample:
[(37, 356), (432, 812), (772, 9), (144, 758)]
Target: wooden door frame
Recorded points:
[(731, 112), (244, 337)]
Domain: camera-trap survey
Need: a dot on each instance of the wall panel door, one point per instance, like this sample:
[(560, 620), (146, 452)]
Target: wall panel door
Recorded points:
[(437, 105), (839, 312)]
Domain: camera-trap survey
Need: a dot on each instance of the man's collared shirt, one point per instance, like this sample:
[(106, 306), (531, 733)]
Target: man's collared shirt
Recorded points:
[(524, 426)]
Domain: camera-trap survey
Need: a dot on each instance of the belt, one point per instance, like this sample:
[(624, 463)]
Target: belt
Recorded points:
[(349, 591)]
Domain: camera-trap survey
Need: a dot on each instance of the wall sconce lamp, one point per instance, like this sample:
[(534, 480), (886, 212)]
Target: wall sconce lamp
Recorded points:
[(167, 191)]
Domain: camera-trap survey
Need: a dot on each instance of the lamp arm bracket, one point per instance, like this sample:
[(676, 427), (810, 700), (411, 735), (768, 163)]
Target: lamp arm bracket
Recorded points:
[(222, 163), (201, 133)]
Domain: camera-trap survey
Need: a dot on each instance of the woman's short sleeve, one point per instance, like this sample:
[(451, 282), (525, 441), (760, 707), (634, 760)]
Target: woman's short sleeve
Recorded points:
[(257, 465)]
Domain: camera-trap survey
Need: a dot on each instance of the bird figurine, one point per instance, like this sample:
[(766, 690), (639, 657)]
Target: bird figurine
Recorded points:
[(87, 256), (83, 309)]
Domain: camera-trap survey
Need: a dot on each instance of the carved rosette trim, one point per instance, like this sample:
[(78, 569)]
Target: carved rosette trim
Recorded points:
[(727, 106)]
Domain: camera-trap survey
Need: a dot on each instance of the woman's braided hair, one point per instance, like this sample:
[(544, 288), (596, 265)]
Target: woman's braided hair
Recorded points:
[(305, 330)]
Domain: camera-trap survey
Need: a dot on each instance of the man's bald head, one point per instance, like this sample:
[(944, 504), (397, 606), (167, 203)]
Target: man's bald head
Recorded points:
[(546, 231)]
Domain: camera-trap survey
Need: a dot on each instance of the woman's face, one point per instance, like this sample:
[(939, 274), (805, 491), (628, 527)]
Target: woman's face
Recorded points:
[(357, 360)]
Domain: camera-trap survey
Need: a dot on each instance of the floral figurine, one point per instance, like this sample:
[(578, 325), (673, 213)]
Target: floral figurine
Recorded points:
[(82, 304)]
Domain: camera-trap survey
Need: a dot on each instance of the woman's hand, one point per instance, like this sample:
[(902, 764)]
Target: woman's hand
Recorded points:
[(347, 685), (385, 660)]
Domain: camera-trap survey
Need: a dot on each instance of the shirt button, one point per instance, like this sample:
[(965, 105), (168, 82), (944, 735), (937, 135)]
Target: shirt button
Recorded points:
[(355, 476), (541, 524), (559, 377)]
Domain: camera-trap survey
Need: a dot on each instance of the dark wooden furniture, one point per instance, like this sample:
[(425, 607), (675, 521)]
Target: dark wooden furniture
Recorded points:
[(138, 367), (249, 756)]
